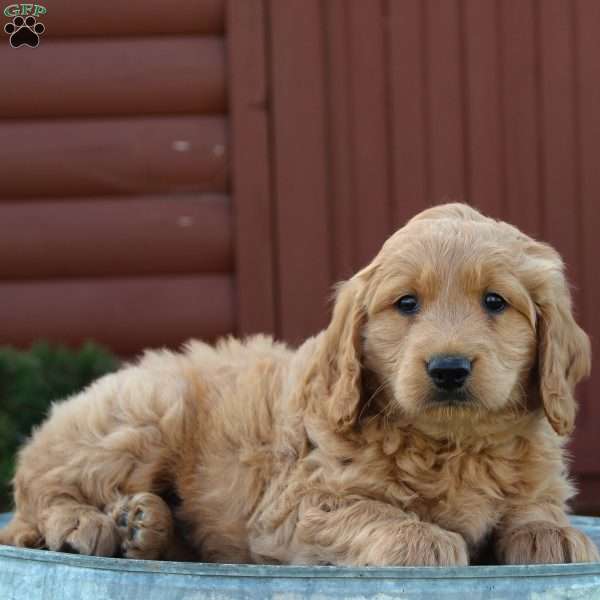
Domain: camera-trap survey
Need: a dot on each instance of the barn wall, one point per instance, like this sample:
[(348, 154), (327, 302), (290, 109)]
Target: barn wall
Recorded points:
[(115, 215), (189, 169)]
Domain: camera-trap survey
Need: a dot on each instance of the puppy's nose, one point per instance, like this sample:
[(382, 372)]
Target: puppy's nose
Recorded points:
[(449, 372)]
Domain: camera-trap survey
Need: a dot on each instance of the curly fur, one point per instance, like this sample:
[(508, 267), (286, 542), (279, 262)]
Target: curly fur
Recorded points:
[(335, 453)]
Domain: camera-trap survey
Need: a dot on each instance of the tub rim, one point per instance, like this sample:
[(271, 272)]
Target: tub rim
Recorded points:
[(123, 565)]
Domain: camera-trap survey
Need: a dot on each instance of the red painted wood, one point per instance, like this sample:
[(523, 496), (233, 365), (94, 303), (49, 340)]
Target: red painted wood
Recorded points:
[(116, 236), (519, 33), (347, 118), (445, 101), (301, 166), (367, 56), (485, 135), (134, 17), (115, 76), (408, 98), (561, 214), (251, 167), (79, 157), (341, 120), (587, 44), (126, 314), (586, 501)]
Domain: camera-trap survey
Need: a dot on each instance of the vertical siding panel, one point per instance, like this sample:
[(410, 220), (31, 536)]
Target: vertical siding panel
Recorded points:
[(445, 101), (299, 122), (369, 143), (485, 135), (407, 77), (587, 26), (251, 166), (520, 113), (561, 212), (560, 193), (342, 191), (561, 215)]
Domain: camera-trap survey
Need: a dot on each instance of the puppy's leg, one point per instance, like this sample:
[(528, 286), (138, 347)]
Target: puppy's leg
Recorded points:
[(120, 437), (360, 532), (542, 534), (20, 533)]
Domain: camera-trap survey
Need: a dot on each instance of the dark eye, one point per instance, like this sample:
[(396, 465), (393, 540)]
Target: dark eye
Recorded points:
[(407, 305), (494, 302)]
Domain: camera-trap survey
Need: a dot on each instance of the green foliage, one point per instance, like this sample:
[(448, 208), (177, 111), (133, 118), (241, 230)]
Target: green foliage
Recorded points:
[(29, 382)]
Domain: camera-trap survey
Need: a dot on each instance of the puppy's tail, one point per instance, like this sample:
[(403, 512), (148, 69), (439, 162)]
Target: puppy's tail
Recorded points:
[(20, 533)]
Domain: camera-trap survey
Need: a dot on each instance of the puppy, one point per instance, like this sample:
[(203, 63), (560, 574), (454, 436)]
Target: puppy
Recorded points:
[(428, 418)]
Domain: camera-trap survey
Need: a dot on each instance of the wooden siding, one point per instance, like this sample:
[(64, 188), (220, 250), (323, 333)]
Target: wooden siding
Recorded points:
[(148, 75), (115, 216), (583, 103), (125, 314), (300, 156), (215, 166), (86, 18), (115, 236), (129, 155), (251, 166)]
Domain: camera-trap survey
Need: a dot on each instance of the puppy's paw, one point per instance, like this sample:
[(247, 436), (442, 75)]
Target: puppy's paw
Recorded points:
[(145, 525), (82, 530), (541, 542), (412, 544), (368, 533), (21, 534), (422, 544)]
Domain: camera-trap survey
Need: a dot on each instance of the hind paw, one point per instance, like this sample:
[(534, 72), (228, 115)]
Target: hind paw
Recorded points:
[(145, 525)]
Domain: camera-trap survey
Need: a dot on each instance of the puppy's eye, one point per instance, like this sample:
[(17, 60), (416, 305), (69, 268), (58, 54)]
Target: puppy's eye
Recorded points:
[(495, 303), (408, 305)]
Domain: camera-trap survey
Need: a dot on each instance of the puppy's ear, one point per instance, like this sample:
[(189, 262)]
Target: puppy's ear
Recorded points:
[(564, 352), (338, 363)]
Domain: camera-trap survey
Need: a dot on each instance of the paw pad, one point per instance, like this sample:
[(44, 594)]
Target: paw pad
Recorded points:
[(145, 525), (24, 32)]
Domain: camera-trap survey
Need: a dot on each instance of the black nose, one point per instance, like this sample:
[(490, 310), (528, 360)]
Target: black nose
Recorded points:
[(449, 372)]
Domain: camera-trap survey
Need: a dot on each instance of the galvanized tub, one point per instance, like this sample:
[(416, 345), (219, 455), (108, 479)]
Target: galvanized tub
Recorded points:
[(40, 575)]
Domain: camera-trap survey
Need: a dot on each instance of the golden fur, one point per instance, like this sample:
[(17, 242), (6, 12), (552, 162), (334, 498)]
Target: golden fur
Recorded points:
[(335, 452)]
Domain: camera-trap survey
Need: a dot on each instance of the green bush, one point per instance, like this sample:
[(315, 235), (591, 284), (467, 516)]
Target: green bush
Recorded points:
[(29, 382)]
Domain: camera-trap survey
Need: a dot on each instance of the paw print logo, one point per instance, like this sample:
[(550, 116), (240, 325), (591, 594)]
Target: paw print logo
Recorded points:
[(24, 32)]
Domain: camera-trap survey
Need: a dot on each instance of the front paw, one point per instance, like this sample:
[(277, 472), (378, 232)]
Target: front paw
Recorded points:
[(542, 542), (413, 544), (427, 545), (82, 530)]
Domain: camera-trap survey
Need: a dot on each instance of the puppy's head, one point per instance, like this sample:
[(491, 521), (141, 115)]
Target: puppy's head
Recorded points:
[(457, 315)]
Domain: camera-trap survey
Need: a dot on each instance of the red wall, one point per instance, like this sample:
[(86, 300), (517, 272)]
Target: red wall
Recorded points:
[(194, 168)]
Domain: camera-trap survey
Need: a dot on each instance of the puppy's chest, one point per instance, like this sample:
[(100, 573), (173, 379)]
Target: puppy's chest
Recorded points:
[(462, 490)]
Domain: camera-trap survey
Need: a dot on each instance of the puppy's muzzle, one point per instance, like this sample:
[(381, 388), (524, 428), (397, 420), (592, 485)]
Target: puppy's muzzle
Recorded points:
[(449, 372)]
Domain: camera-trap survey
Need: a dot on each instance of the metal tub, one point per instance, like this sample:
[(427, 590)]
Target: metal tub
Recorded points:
[(37, 575)]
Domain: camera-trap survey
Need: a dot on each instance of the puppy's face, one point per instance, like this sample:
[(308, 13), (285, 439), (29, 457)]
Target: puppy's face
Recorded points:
[(452, 316), (450, 325)]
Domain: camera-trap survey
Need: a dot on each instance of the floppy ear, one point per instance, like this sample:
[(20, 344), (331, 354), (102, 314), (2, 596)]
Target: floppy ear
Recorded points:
[(337, 364), (564, 353)]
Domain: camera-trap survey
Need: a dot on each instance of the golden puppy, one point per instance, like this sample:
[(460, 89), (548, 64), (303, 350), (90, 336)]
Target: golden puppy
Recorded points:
[(428, 418)]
